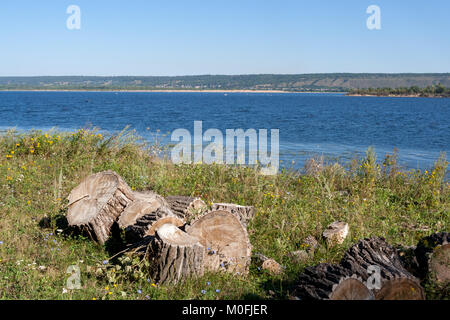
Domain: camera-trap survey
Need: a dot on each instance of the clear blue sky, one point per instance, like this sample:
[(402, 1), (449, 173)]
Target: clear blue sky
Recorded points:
[(222, 37)]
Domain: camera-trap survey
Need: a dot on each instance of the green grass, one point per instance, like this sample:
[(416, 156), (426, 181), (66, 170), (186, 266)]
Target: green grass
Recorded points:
[(38, 170)]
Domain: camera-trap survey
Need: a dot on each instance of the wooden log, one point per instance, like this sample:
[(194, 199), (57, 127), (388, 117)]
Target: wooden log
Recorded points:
[(186, 207), (331, 282), (336, 233), (243, 213), (97, 202), (149, 222), (225, 240), (145, 202), (433, 256), (375, 253), (174, 255), (400, 289)]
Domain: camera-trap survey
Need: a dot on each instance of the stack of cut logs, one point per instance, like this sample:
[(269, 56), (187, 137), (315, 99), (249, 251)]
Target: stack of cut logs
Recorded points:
[(373, 269), (215, 239)]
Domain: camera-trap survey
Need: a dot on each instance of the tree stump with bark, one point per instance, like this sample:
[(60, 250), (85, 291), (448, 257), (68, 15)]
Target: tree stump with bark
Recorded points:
[(433, 257), (375, 255), (186, 207), (331, 282), (225, 240), (97, 202), (243, 213), (174, 255), (149, 222), (144, 203)]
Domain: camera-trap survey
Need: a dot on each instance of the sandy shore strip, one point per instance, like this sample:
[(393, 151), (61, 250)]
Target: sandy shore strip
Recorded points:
[(162, 91)]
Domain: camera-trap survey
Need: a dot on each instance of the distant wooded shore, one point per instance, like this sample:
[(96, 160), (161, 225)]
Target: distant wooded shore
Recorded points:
[(438, 91)]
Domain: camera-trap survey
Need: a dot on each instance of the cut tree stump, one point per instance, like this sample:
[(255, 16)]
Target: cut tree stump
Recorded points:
[(400, 289), (97, 202), (331, 282), (174, 255), (186, 207), (244, 213), (225, 240), (335, 233), (145, 202), (367, 255), (433, 256)]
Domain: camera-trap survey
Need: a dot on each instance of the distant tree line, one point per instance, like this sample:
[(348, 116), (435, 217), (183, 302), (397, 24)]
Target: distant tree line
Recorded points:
[(323, 82), (429, 91)]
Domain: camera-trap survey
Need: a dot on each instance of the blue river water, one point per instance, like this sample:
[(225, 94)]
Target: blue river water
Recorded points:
[(331, 125)]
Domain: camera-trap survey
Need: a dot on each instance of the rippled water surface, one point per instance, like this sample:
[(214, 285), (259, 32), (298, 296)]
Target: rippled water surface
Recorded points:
[(332, 125)]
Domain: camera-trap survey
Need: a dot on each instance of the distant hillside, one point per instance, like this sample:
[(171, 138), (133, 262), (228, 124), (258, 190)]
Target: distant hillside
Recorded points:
[(295, 82)]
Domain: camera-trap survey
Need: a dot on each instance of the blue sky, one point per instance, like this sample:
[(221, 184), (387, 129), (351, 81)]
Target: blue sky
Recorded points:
[(222, 37)]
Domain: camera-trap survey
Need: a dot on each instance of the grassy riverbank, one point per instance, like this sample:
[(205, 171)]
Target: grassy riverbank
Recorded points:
[(38, 170)]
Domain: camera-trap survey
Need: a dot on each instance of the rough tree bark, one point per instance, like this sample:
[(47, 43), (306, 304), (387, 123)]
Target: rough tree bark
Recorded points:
[(395, 281), (186, 207), (97, 202), (225, 240), (331, 282), (174, 255), (243, 213)]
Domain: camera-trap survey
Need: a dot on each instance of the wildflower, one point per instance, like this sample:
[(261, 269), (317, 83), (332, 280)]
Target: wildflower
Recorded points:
[(148, 280), (8, 156), (222, 265), (153, 285), (1, 242), (64, 290), (203, 291), (147, 297), (208, 283), (110, 292), (217, 290), (12, 151), (139, 291), (105, 261), (106, 288), (94, 298)]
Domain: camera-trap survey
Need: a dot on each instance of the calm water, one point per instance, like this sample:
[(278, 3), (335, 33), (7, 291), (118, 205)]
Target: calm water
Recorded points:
[(332, 125)]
